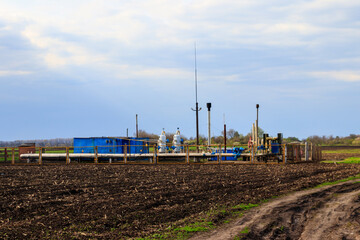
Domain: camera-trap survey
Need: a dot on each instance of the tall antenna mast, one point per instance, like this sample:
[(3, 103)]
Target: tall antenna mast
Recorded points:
[(195, 74), (196, 102)]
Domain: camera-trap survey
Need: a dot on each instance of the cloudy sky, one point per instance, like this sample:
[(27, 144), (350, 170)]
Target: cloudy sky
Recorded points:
[(85, 68)]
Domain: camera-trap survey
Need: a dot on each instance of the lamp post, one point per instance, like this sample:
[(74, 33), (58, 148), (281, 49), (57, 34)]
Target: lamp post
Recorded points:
[(209, 127)]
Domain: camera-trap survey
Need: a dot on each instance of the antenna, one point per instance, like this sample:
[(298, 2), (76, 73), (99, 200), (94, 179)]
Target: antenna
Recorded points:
[(195, 74), (196, 101)]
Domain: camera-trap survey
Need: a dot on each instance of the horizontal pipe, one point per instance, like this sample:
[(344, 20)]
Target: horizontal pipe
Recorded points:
[(137, 155), (119, 155)]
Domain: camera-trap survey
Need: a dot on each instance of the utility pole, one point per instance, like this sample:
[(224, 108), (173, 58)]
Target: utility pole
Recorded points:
[(224, 137), (209, 127), (137, 127)]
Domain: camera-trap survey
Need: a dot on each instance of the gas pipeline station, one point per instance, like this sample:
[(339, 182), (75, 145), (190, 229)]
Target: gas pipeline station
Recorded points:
[(134, 150)]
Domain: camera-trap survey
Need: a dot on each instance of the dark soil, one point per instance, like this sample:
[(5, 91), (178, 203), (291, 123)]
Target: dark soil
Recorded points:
[(331, 212), (129, 201), (339, 156)]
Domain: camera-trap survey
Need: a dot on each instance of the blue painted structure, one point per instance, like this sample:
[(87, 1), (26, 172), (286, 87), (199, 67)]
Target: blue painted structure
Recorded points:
[(111, 145), (229, 150), (275, 148)]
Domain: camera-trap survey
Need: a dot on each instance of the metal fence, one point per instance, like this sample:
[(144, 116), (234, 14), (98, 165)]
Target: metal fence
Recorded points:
[(298, 152), (151, 154)]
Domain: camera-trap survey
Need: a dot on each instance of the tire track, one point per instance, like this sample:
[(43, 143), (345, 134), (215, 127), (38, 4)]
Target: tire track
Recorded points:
[(331, 212)]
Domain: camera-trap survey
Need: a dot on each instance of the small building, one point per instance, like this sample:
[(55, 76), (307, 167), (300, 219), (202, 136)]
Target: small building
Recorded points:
[(111, 145)]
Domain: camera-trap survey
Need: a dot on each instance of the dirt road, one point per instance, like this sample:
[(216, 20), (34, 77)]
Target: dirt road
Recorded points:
[(331, 212)]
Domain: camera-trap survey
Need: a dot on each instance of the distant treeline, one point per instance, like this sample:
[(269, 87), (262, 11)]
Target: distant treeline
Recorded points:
[(56, 142), (351, 140)]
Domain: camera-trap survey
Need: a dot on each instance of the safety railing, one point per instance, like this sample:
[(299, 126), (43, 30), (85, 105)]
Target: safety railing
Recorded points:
[(303, 152), (9, 155), (154, 154)]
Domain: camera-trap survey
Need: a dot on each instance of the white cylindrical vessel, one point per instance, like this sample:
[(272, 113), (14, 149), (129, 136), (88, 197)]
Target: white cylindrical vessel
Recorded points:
[(162, 142), (177, 142)]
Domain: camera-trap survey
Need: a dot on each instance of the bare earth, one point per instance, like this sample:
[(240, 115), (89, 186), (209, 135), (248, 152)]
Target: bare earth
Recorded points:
[(331, 212)]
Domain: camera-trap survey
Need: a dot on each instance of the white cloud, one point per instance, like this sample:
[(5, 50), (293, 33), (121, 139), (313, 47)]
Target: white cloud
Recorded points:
[(4, 73), (58, 53), (346, 76)]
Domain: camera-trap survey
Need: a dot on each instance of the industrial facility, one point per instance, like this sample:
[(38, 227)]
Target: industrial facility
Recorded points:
[(149, 151)]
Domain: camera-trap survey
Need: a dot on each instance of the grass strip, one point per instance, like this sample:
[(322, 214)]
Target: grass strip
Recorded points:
[(338, 181), (186, 228), (342, 151), (350, 160)]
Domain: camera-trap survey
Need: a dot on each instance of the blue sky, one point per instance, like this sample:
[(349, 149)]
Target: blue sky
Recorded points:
[(85, 68)]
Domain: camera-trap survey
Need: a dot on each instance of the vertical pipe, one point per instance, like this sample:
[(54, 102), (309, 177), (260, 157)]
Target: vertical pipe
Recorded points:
[(154, 157), (96, 154), (257, 122), (209, 136), (197, 126), (219, 156), (137, 130), (187, 155), (13, 156), (253, 134), (209, 127), (40, 155), (127, 132), (224, 139), (256, 134), (284, 153), (125, 153), (67, 155), (252, 154)]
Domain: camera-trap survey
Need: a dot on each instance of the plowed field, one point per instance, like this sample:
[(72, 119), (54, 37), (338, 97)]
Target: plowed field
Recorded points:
[(129, 201)]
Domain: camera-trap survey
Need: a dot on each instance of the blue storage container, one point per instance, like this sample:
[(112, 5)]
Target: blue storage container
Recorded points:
[(111, 145)]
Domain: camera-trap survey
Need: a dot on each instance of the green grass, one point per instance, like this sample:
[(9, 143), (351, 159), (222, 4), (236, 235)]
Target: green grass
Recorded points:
[(352, 160), (342, 151), (186, 230), (245, 231), (338, 181), (245, 206), (59, 151)]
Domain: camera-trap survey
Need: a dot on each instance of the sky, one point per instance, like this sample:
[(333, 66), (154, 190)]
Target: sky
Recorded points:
[(86, 68)]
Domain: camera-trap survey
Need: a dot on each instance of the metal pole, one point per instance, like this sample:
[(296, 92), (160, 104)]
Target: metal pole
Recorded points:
[(127, 132), (197, 125), (209, 128), (137, 130), (224, 139), (197, 109), (197, 105), (257, 123)]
